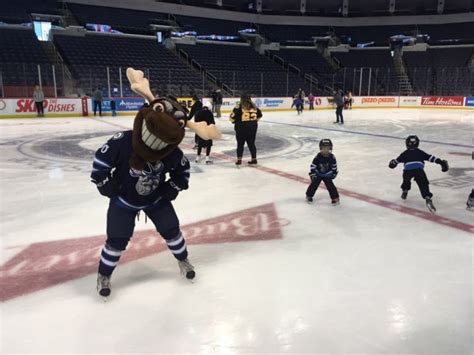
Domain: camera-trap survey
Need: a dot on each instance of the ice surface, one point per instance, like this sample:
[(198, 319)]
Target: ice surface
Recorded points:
[(373, 275)]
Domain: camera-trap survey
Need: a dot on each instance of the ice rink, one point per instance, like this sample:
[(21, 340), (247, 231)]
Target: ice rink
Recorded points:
[(375, 275)]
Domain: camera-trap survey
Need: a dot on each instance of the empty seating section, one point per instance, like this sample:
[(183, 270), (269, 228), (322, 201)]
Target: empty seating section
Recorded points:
[(447, 71), (364, 34), (19, 11), (378, 70), (21, 54), (20, 46), (243, 69), (214, 27), (443, 71), (131, 21), (89, 56), (308, 60), (286, 34), (448, 31)]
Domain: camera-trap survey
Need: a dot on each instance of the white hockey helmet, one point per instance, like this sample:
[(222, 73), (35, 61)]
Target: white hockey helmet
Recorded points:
[(207, 104)]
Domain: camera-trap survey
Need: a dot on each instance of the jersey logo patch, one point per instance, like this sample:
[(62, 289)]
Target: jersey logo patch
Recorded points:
[(148, 178), (118, 135)]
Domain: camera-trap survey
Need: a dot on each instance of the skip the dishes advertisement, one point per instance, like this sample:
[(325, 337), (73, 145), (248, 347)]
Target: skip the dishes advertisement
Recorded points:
[(59, 107), (25, 107)]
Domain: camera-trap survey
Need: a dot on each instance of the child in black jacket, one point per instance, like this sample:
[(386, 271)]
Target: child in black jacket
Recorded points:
[(414, 164), (323, 168)]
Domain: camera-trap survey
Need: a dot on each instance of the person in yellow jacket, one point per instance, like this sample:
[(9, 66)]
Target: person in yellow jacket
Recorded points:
[(245, 118)]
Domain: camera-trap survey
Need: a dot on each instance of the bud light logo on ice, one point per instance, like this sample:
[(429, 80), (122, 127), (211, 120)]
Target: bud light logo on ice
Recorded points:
[(269, 102)]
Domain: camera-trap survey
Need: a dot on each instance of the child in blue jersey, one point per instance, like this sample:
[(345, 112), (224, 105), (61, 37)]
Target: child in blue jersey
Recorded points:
[(323, 168), (414, 163), (298, 103)]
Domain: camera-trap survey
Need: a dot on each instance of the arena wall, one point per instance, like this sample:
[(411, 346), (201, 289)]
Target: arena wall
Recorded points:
[(75, 107)]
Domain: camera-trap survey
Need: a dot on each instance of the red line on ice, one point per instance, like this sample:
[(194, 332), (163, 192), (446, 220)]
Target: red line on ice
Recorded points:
[(469, 228), (461, 154), (373, 200)]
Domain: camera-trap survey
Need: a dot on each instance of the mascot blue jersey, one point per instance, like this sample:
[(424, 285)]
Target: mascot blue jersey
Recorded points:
[(132, 188)]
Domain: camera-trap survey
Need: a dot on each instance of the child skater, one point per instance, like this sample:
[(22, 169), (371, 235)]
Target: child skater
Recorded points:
[(298, 103), (414, 162), (205, 115), (470, 201), (323, 168)]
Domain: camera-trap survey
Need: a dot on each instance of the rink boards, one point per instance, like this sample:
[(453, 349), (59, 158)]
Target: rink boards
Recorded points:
[(75, 107)]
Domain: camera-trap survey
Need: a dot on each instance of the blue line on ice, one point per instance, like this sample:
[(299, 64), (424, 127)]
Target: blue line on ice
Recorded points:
[(364, 133)]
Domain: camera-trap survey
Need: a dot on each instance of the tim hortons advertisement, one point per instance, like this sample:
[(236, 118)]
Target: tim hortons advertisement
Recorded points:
[(448, 101)]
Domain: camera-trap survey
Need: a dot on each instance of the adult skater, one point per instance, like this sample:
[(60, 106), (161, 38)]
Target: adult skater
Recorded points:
[(218, 102), (339, 101), (144, 170), (204, 115), (323, 168), (349, 99), (195, 108), (245, 118), (97, 99), (414, 159), (38, 96), (311, 99)]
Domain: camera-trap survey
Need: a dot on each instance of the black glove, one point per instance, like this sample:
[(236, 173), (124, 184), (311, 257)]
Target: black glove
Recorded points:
[(393, 164), (312, 176), (444, 166), (333, 175), (107, 187), (167, 191)]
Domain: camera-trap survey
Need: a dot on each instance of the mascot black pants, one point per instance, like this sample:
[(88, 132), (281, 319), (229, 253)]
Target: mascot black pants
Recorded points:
[(120, 226), (246, 133), (420, 178)]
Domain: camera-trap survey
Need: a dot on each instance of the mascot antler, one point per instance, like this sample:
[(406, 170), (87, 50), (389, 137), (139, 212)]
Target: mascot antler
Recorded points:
[(141, 86)]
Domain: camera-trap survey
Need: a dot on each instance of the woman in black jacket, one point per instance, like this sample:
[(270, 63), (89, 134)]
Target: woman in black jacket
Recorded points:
[(245, 118)]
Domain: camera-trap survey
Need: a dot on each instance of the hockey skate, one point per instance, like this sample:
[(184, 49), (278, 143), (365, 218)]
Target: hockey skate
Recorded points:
[(208, 160), (198, 159), (103, 285), (335, 202), (404, 194), (252, 162), (186, 269), (238, 163), (430, 205), (309, 199)]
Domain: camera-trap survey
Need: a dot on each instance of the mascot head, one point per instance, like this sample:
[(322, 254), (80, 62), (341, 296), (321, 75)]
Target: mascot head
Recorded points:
[(159, 126)]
